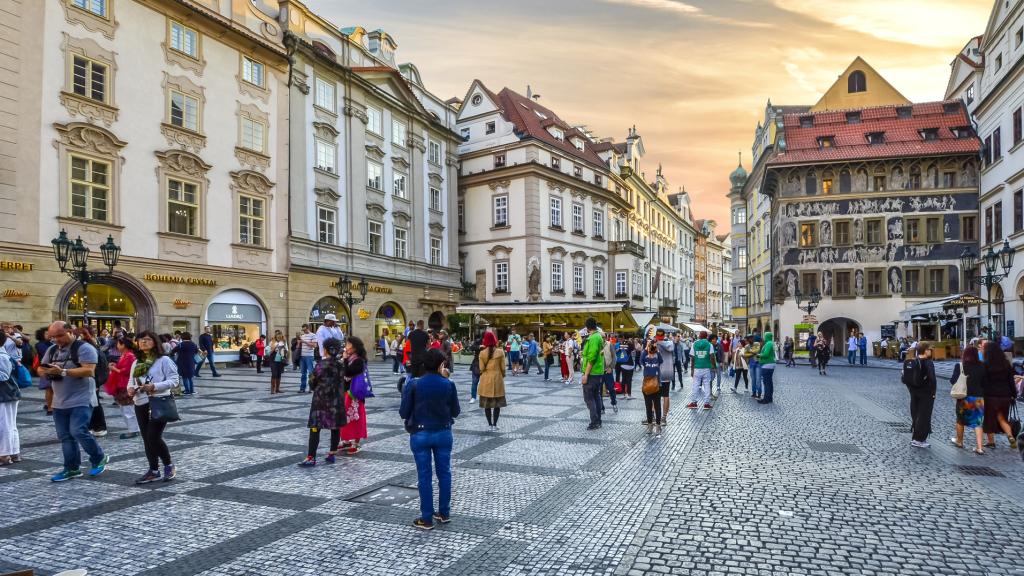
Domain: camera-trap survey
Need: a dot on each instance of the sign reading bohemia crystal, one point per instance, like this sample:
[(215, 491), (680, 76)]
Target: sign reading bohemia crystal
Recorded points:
[(179, 279), (245, 313)]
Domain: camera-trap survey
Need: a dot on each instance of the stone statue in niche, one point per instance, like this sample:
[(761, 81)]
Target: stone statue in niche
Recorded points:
[(826, 283), (858, 282), (890, 252), (533, 277), (858, 231), (898, 180), (895, 281), (896, 228), (969, 176), (860, 181), (789, 234), (791, 282), (792, 186), (932, 178), (826, 232)]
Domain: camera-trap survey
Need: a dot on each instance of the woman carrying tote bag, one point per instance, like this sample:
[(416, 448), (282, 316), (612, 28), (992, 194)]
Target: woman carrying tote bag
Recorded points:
[(970, 408), (152, 379)]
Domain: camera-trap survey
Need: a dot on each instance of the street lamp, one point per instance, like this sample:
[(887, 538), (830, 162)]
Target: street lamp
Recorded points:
[(77, 254), (992, 261), (811, 304), (345, 293)]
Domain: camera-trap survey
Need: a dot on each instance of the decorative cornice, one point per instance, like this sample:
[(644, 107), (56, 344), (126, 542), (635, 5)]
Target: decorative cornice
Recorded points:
[(375, 151), (579, 255), (556, 186), (182, 162), (451, 159), (401, 215), (437, 226), (503, 184), (416, 141), (89, 137), (89, 109), (376, 208), (557, 250), (499, 248), (300, 81), (599, 259), (577, 194), (324, 192), (357, 109), (435, 178), (252, 159), (253, 91), (397, 159), (251, 182), (325, 131), (187, 139)]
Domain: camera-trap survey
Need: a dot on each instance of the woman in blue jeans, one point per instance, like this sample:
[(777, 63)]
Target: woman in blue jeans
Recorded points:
[(429, 407)]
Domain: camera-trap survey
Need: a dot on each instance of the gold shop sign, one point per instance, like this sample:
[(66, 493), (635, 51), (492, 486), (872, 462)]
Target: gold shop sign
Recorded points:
[(169, 279), (15, 266), (179, 303), (371, 288), (363, 313), (11, 294)]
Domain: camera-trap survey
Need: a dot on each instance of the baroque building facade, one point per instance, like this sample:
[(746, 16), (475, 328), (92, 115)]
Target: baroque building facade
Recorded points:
[(157, 125), (373, 180), (871, 208)]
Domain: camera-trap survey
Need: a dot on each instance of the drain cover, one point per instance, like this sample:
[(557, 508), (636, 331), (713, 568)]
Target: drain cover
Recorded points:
[(979, 471), (834, 447), (390, 495)]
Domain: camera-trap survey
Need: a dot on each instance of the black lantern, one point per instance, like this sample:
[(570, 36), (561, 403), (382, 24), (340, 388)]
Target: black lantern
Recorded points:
[(111, 252), (1006, 256), (61, 250), (991, 261), (344, 286), (968, 260), (345, 292), (363, 287), (79, 255)]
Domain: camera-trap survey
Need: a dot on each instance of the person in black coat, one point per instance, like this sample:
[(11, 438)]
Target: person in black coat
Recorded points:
[(1000, 392), (922, 396), (186, 361)]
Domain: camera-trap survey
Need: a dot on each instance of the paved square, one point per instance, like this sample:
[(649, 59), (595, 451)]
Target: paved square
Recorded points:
[(818, 483)]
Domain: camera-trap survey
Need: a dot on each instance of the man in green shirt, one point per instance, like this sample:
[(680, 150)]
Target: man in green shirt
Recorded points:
[(704, 363), (593, 364)]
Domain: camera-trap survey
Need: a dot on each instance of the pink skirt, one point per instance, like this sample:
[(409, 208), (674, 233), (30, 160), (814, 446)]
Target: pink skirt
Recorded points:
[(354, 430)]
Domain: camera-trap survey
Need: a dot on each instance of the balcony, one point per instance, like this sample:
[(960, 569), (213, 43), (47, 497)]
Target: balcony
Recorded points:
[(669, 303), (627, 247), (468, 291)]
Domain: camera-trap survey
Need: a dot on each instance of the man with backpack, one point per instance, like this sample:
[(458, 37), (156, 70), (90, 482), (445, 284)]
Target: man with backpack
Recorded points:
[(919, 378), (98, 422)]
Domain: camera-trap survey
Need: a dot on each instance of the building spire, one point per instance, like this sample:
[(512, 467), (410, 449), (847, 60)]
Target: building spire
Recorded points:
[(740, 154)]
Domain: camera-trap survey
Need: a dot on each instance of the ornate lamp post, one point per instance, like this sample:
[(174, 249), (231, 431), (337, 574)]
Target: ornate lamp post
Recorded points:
[(992, 261), (345, 293), (76, 254), (811, 304)]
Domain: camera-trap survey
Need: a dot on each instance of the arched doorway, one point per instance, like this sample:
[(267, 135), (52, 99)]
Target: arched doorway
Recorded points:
[(837, 330), (436, 320), (329, 305), (236, 318), (118, 301), (390, 317)]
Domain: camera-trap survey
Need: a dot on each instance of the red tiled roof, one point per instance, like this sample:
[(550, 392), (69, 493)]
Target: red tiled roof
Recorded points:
[(902, 135), (522, 113)]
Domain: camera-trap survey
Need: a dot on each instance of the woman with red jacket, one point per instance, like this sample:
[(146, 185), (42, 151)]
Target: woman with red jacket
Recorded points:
[(117, 385), (261, 349)]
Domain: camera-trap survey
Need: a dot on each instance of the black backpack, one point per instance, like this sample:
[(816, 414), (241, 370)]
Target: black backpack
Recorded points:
[(914, 375), (102, 372)]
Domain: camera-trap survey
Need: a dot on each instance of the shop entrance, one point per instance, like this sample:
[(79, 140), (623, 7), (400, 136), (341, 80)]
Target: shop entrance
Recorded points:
[(236, 319), (837, 330), (391, 318), (109, 308), (328, 305)]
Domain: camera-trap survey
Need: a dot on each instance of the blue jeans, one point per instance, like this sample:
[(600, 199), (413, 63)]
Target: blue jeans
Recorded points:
[(437, 444), (547, 367), (769, 385), (476, 382), (395, 363), (187, 385), (851, 356), (592, 398), (72, 426), (306, 365), (609, 383), (207, 358), (754, 368), (863, 356)]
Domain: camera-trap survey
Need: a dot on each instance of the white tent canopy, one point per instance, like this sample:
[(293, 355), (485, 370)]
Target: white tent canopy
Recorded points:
[(696, 328)]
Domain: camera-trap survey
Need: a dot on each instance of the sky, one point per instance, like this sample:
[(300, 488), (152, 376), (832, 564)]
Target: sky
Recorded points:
[(693, 76)]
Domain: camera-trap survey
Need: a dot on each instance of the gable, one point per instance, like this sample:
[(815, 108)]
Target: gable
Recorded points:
[(995, 22), (478, 100), (388, 81), (876, 90)]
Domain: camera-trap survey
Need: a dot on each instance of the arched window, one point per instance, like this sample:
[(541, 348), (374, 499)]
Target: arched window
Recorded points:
[(857, 82)]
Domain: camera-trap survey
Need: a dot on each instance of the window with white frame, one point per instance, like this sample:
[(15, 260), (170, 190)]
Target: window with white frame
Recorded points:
[(89, 78), (250, 220), (398, 188), (398, 133), (252, 71), (326, 219), (324, 94), (401, 243), (182, 207), (375, 231), (557, 284), (374, 120), (97, 7), (90, 188), (500, 211), (598, 224), (557, 133), (184, 111), (598, 281), (435, 250), (578, 143), (374, 175), (489, 128), (577, 218), (501, 277), (253, 133), (620, 283), (638, 283), (434, 152), (578, 282), (184, 39), (435, 199), (555, 205), (464, 132), (326, 156)]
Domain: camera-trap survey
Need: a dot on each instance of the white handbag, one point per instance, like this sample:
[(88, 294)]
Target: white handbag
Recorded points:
[(959, 390)]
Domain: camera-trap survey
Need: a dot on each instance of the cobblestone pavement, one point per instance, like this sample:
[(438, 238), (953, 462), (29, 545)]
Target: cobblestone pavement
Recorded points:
[(821, 482)]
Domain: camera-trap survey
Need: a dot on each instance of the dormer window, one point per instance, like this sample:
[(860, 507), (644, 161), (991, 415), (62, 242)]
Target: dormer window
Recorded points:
[(578, 144), (951, 107), (853, 117), (807, 121), (540, 115), (556, 162), (598, 180), (904, 112), (876, 137), (489, 127), (499, 160), (857, 82), (577, 171), (929, 134), (558, 134), (826, 141), (962, 132)]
